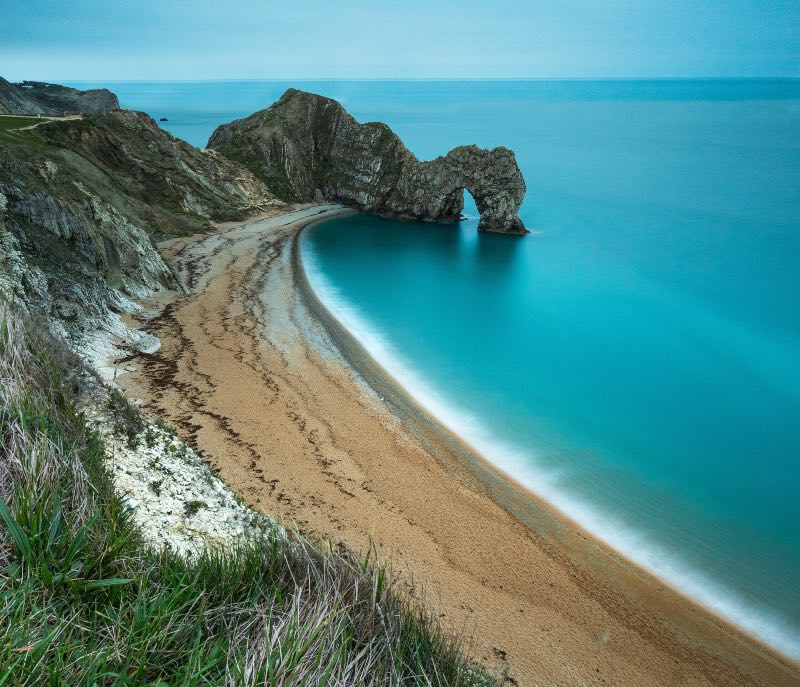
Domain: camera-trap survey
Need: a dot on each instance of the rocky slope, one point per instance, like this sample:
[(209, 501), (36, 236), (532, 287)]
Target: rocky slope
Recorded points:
[(14, 100), (306, 146), (36, 97), (80, 204), (175, 499)]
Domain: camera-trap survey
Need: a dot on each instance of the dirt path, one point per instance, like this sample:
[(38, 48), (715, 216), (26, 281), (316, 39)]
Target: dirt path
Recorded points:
[(250, 377), (45, 119)]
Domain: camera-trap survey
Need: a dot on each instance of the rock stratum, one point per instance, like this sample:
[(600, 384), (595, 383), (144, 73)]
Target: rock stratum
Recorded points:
[(307, 147), (81, 203), (82, 200), (37, 97)]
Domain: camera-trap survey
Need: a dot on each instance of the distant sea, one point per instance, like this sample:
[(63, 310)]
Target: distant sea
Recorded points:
[(636, 359)]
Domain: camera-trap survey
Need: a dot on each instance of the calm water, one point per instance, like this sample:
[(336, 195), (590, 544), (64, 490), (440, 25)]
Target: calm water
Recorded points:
[(636, 360)]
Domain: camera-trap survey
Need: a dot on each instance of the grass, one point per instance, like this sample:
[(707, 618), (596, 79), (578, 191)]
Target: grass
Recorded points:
[(82, 602), (7, 123), (26, 137)]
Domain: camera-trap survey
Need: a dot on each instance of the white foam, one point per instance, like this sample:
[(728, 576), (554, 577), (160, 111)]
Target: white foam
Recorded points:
[(546, 481)]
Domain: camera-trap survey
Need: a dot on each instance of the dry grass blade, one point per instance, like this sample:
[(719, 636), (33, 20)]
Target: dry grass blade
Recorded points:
[(82, 601)]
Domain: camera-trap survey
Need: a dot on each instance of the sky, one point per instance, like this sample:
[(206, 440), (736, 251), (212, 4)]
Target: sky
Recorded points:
[(262, 39)]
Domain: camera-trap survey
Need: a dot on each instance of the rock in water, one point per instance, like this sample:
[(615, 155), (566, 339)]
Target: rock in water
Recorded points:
[(306, 145)]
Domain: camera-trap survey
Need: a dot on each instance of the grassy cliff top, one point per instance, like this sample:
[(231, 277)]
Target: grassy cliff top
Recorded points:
[(82, 601)]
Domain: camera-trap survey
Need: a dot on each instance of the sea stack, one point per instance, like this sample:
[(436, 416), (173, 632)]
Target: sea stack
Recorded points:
[(306, 147)]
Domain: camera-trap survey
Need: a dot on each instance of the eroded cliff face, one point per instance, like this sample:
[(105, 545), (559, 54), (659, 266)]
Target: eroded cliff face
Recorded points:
[(306, 146), (81, 203), (37, 97), (13, 100)]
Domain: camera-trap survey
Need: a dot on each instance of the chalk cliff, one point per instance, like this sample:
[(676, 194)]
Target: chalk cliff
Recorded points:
[(306, 146), (81, 202)]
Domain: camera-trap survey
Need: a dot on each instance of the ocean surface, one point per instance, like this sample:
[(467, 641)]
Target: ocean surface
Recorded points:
[(636, 359)]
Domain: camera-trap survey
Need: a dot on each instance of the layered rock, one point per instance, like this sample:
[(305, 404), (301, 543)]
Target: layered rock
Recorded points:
[(14, 100), (81, 202), (37, 97), (307, 147)]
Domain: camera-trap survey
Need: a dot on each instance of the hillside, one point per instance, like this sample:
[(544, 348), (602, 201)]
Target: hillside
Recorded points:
[(124, 559), (37, 97), (81, 202)]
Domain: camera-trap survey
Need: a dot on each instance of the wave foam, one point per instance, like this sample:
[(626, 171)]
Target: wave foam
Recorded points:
[(543, 480)]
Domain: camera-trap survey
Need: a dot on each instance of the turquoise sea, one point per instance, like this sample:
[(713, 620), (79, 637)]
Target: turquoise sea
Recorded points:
[(636, 359)]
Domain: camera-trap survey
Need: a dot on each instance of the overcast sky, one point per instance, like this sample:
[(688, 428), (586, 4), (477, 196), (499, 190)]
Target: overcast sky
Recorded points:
[(200, 39)]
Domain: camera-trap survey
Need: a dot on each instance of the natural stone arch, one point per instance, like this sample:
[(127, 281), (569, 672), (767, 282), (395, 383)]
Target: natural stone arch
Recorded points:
[(495, 183), (305, 146)]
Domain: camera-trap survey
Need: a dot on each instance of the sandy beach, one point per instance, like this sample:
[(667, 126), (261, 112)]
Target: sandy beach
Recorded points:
[(285, 406)]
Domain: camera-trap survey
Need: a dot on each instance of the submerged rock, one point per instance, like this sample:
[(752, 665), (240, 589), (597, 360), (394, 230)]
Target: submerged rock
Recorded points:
[(306, 146)]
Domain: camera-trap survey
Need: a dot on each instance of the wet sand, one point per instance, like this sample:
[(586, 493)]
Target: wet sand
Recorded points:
[(284, 404)]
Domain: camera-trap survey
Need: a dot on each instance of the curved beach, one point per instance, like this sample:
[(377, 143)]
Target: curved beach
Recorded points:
[(285, 404)]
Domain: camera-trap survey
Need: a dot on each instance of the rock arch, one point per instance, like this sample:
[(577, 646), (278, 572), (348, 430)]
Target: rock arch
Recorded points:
[(306, 145), (494, 181)]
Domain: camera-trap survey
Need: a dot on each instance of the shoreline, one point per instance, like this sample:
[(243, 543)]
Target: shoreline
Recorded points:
[(542, 514), (600, 610)]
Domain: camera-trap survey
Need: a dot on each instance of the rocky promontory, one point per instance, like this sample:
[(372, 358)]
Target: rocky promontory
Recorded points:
[(307, 147), (37, 97)]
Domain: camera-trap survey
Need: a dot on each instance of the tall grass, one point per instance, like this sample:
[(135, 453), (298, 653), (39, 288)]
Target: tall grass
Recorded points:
[(83, 602)]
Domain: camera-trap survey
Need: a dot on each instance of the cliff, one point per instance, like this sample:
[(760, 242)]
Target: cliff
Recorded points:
[(14, 100), (126, 504), (81, 202), (36, 97), (306, 146)]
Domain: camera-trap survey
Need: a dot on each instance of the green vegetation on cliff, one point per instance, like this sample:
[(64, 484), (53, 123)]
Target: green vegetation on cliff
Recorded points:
[(82, 602), (82, 201), (7, 123)]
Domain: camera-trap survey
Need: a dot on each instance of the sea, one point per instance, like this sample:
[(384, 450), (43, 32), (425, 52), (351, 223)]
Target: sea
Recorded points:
[(635, 359)]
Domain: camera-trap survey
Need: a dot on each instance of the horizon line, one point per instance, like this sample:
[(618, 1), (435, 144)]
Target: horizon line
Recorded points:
[(435, 78)]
